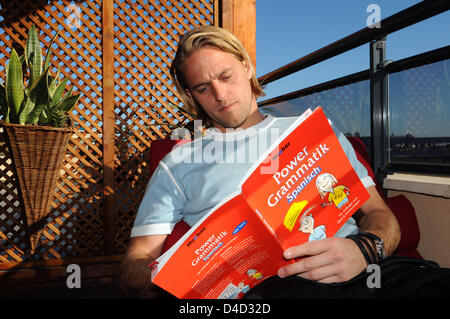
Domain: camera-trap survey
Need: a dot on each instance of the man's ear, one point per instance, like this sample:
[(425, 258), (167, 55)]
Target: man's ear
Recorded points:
[(248, 68), (188, 92)]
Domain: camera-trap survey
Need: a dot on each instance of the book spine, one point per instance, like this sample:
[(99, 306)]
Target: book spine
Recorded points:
[(266, 223)]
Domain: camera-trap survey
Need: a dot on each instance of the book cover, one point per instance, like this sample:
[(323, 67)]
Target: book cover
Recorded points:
[(314, 189)]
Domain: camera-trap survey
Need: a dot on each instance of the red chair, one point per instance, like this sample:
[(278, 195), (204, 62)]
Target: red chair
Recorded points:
[(400, 205), (363, 156)]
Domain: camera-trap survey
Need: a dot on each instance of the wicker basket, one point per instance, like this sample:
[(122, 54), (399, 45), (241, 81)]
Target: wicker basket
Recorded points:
[(37, 154)]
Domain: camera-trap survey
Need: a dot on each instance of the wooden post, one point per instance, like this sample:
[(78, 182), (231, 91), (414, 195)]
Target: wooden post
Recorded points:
[(108, 124), (239, 17)]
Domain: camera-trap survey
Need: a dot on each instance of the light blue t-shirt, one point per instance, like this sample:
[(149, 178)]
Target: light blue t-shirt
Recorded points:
[(195, 177)]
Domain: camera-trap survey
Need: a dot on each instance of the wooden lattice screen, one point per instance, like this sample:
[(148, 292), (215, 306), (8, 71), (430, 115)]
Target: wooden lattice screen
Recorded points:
[(94, 206)]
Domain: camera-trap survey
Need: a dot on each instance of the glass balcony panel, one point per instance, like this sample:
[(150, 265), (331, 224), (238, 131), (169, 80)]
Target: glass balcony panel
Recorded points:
[(348, 107), (419, 101)]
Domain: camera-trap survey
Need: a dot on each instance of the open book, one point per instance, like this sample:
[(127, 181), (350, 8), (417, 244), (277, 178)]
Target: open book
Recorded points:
[(240, 242)]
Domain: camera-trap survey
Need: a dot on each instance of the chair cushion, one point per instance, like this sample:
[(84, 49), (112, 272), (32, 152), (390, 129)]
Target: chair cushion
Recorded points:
[(159, 149), (399, 205), (406, 216), (363, 156), (178, 231)]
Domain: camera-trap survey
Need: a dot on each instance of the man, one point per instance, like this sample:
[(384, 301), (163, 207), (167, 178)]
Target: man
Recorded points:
[(216, 80)]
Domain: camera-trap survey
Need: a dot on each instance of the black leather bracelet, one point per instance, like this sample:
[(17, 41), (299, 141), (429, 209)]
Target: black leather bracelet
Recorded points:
[(363, 250), (378, 245), (370, 247)]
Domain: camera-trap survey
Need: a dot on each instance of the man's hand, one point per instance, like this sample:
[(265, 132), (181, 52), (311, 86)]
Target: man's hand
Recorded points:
[(328, 260), (337, 259)]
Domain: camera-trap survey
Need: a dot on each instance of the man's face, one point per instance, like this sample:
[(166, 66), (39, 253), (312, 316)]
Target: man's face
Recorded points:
[(220, 84)]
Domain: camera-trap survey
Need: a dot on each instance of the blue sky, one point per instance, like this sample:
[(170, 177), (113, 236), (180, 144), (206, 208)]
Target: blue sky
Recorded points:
[(290, 29)]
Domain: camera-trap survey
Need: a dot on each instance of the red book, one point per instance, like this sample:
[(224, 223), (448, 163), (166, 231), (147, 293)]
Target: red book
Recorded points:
[(302, 188)]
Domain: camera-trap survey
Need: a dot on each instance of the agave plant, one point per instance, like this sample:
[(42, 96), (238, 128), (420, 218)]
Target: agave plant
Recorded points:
[(42, 100)]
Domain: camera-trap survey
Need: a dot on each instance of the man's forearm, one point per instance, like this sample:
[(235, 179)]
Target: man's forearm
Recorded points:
[(135, 271), (382, 223), (135, 276)]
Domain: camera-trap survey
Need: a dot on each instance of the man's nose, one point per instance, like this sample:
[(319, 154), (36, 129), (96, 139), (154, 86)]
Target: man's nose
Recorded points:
[(218, 91)]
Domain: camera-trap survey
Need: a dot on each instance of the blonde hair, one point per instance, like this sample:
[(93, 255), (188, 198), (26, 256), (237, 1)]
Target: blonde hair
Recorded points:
[(199, 38)]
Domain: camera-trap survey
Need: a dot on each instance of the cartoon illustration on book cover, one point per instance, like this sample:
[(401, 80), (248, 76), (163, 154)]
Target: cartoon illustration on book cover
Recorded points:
[(337, 195), (307, 226), (293, 213), (254, 274), (233, 292)]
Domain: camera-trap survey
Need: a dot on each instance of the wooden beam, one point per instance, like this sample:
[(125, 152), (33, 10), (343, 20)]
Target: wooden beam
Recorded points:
[(108, 124), (57, 262), (239, 17), (99, 279)]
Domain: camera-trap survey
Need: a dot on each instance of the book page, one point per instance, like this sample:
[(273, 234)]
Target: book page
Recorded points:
[(227, 254), (313, 190)]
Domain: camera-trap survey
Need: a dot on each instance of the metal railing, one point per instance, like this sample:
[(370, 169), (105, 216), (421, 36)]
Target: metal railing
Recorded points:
[(377, 75)]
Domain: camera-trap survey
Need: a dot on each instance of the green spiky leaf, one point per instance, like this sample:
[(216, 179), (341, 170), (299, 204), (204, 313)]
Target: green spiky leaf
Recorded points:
[(58, 119), (49, 52), (68, 103), (40, 98), (27, 107), (21, 59), (58, 92), (33, 54), (54, 82), (14, 86)]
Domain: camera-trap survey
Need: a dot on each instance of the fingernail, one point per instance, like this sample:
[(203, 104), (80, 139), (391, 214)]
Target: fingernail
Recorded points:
[(287, 254), (281, 273)]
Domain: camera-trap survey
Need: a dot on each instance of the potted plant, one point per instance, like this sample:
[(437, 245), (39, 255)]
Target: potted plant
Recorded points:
[(35, 111)]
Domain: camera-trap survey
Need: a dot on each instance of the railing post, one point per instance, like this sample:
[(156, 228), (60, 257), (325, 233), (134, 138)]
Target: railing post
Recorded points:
[(379, 108)]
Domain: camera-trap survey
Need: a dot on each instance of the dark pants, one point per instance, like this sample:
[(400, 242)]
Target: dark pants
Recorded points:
[(400, 277)]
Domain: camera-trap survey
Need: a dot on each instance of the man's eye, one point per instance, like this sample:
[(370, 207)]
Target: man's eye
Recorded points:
[(201, 89), (225, 77)]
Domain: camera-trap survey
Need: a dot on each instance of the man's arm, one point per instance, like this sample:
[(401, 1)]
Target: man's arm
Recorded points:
[(378, 219), (135, 275), (337, 259)]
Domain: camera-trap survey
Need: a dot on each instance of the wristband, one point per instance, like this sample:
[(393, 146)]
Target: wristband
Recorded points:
[(369, 246), (363, 250), (378, 243), (153, 264)]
